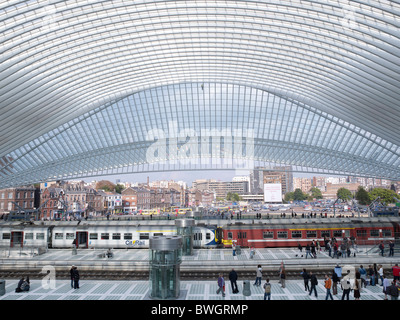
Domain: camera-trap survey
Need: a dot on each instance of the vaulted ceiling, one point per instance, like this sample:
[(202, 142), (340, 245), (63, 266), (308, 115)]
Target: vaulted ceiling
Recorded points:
[(107, 87)]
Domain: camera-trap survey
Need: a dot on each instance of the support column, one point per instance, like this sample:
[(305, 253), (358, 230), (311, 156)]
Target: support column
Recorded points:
[(185, 230)]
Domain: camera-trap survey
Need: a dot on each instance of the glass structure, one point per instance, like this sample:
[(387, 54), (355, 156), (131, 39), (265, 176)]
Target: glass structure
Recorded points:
[(110, 87), (165, 259), (185, 231)]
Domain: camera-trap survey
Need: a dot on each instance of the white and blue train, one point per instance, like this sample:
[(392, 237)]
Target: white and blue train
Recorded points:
[(95, 235)]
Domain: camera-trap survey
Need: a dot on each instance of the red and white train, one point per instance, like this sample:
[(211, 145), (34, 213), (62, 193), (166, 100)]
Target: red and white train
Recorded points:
[(293, 232)]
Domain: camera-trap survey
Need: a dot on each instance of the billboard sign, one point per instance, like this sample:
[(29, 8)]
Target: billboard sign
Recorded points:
[(272, 192)]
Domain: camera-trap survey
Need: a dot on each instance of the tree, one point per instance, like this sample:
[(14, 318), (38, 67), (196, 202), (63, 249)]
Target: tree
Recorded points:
[(119, 188), (386, 195), (316, 193), (344, 194), (362, 196), (289, 196), (105, 185), (299, 195)]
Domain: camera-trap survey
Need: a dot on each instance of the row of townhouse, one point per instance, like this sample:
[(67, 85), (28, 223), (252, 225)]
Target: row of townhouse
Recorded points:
[(76, 200)]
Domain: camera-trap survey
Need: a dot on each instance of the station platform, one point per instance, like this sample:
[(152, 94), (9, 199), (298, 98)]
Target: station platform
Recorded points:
[(190, 290), (217, 260)]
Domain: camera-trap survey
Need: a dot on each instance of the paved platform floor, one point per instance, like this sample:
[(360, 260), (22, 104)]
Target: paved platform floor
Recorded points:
[(190, 290)]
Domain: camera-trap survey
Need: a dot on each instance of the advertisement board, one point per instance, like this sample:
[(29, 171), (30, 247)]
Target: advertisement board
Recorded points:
[(272, 192)]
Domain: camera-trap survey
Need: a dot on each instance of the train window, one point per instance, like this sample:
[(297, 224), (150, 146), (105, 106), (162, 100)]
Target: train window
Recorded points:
[(29, 236), (40, 236), (386, 232), (311, 234), (6, 236), (325, 233), (58, 236), (93, 236), (374, 233), (105, 236), (116, 236), (268, 234), (282, 234), (361, 233), (157, 234), (208, 236), (296, 234), (337, 233), (71, 235), (198, 236), (127, 236), (230, 236), (144, 236), (242, 235)]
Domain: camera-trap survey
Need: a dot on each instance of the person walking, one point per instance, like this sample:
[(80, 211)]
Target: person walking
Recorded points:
[(335, 280), (71, 272), (380, 271), (382, 248), (283, 278), (328, 286), (267, 290), (363, 276), (306, 278), (221, 285), (385, 284), (308, 250), (346, 286), (393, 291), (258, 276), (233, 278), (371, 275), (396, 272), (357, 286), (76, 278), (314, 283), (391, 249)]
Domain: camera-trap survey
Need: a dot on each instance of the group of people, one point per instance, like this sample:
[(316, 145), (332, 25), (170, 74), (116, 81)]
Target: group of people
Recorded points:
[(362, 278)]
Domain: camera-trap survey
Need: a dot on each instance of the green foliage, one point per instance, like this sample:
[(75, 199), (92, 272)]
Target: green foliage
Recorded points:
[(299, 195), (362, 196), (344, 194), (386, 195)]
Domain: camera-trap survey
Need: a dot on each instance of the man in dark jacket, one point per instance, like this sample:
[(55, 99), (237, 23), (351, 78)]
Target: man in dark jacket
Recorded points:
[(233, 278), (393, 291), (314, 283)]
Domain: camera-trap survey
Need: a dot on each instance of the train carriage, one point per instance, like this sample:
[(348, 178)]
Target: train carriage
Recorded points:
[(293, 233), (17, 235)]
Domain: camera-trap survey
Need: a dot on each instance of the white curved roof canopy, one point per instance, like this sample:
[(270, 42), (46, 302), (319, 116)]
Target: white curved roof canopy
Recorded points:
[(85, 84)]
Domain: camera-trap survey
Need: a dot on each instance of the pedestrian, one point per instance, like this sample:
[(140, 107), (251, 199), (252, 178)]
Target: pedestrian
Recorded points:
[(267, 290), (338, 271), (258, 276), (376, 274), (71, 272), (313, 252), (391, 249), (283, 278), (314, 283), (306, 277), (281, 269), (328, 286), (382, 248), (233, 278), (385, 284), (357, 286), (308, 250), (252, 252), (335, 250), (371, 275), (363, 275), (335, 280), (396, 272), (233, 249), (380, 271), (76, 278), (221, 285), (343, 249), (393, 291), (346, 286)]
